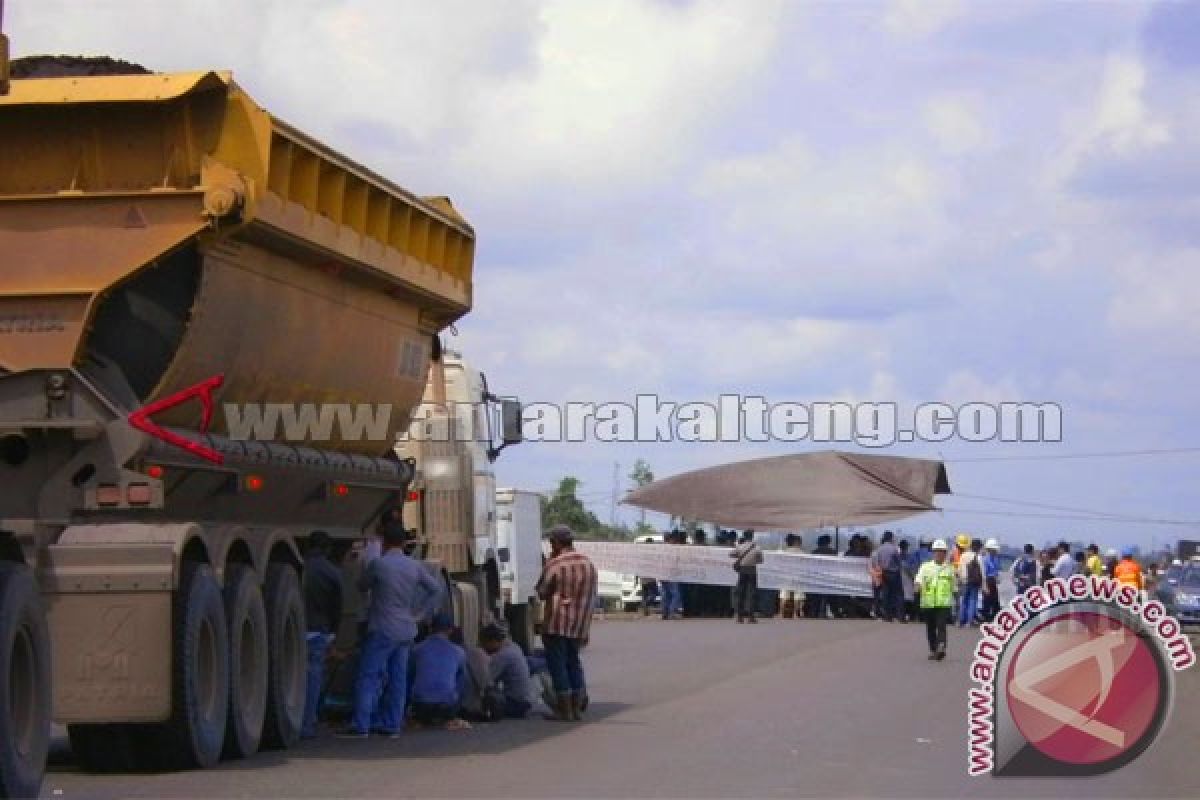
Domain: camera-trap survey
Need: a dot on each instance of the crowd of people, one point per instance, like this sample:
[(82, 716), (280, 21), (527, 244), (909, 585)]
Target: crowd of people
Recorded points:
[(893, 566), (413, 668)]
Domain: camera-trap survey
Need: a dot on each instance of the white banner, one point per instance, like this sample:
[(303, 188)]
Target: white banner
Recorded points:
[(803, 572), (668, 562), (797, 572)]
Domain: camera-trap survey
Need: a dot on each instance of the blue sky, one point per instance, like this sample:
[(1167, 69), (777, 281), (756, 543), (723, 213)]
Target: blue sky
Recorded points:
[(910, 201)]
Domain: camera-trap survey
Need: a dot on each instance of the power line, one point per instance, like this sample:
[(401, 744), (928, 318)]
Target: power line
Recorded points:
[(1079, 517), (1032, 504), (1067, 456)]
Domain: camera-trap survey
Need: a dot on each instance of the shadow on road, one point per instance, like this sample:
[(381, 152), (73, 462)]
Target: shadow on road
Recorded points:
[(482, 739)]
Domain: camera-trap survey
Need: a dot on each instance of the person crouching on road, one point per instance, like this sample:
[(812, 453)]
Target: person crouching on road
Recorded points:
[(935, 581), (402, 592), (568, 588), (323, 612), (438, 675), (508, 671), (746, 558)]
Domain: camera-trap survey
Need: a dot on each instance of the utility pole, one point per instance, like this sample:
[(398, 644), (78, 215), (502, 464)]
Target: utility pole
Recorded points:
[(612, 506)]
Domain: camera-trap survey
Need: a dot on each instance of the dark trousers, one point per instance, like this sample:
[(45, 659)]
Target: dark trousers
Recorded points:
[(935, 627), (891, 595), (649, 594), (562, 661), (515, 709), (744, 599), (991, 600), (672, 599)]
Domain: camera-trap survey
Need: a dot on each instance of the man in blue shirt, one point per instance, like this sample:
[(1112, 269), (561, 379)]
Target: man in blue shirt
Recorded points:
[(438, 675), (509, 670), (402, 592)]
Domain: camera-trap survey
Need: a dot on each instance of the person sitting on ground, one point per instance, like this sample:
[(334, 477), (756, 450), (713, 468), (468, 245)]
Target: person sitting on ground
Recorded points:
[(438, 675), (508, 671)]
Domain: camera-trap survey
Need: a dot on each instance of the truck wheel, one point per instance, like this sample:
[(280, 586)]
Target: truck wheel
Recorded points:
[(195, 734), (24, 683), (520, 627), (247, 619), (288, 660)]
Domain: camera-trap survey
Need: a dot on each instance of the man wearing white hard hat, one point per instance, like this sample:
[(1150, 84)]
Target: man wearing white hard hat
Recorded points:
[(936, 581), (991, 582)]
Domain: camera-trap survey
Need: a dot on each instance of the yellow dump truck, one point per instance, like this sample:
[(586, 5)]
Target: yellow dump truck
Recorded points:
[(172, 255)]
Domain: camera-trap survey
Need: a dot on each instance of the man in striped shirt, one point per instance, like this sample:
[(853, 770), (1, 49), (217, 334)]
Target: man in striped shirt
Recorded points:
[(568, 589)]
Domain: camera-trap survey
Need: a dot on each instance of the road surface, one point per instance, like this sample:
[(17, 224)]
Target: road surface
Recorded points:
[(699, 708)]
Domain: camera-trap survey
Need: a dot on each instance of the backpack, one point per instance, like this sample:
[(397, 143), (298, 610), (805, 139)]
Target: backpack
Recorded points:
[(1026, 572), (974, 572)]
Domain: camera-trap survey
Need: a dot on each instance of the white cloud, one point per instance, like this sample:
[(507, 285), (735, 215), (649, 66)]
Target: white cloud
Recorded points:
[(1122, 119), (621, 91), (1156, 302), (920, 18), (965, 386), (954, 123), (1116, 122)]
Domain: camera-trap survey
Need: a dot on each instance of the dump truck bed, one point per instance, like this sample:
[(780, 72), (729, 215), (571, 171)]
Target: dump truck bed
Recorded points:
[(170, 226)]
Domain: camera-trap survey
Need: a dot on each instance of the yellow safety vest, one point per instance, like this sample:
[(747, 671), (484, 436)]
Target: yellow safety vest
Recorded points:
[(936, 582)]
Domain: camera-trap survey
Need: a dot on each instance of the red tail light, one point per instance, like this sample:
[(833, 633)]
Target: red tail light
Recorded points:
[(254, 483), (340, 490)]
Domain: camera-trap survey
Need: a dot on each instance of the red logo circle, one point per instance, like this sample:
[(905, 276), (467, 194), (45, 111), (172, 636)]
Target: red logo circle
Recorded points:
[(1084, 688)]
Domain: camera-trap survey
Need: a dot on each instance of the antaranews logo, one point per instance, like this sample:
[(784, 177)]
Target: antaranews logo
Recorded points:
[(1075, 677)]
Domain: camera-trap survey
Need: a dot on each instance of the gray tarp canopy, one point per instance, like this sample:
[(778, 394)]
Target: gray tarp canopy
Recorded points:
[(798, 492)]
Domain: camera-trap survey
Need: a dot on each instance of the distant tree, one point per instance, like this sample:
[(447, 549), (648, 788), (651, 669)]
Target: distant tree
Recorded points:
[(565, 508), (640, 476)]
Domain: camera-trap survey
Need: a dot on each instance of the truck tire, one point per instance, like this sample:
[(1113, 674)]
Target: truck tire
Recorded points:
[(287, 663), (24, 683), (520, 627), (247, 618), (195, 733)]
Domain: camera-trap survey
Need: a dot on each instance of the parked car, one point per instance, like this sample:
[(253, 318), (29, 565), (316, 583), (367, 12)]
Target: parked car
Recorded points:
[(624, 591), (1182, 598)]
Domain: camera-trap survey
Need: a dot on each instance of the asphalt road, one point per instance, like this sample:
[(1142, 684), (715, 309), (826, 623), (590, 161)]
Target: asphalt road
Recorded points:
[(699, 708)]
